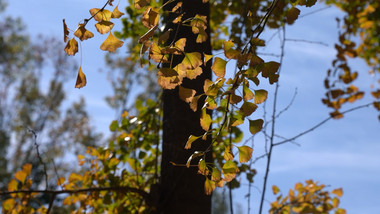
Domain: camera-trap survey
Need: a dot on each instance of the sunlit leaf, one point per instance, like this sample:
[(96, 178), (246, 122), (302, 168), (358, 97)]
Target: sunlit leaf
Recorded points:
[(12, 185), (168, 78), (71, 47), (245, 153), (229, 170), (82, 33), (247, 93), (207, 57), (21, 176), (111, 43), (186, 94), (338, 192), (101, 15), (155, 53), (144, 47), (116, 13), (215, 175), (191, 139), (228, 154), (141, 3), (9, 204), (65, 31), (229, 50), (104, 26), (27, 168), (275, 189), (81, 79), (219, 67), (260, 96), (177, 6), (194, 155), (180, 44), (194, 103), (198, 22), (255, 126), (150, 17), (194, 73), (209, 186), (205, 120), (202, 167)]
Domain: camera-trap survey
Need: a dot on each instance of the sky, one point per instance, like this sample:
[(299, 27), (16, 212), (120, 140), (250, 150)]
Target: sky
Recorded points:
[(341, 153)]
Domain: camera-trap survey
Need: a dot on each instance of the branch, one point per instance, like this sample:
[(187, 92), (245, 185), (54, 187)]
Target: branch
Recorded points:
[(320, 124)]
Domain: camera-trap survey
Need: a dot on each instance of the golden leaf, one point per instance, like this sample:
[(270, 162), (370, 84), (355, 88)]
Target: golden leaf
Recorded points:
[(104, 26), (111, 43), (245, 153), (148, 34), (205, 120), (219, 67), (150, 17), (141, 3), (65, 31), (101, 15), (209, 186), (21, 176), (168, 78), (116, 13), (81, 79), (82, 33), (186, 94), (71, 47)]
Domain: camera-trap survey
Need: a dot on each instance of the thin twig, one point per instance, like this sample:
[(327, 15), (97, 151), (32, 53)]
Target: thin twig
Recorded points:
[(307, 41), (319, 124)]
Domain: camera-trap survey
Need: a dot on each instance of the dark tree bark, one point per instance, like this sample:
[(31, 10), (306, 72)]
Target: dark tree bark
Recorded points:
[(181, 188)]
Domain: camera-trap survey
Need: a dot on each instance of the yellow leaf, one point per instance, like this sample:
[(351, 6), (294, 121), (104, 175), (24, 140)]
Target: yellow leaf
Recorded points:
[(104, 26), (150, 17), (215, 175), (255, 126), (27, 168), (229, 170), (71, 47), (60, 181), (82, 33), (202, 167), (21, 176), (338, 192), (207, 57), (101, 15), (192, 60), (164, 37), (65, 31), (228, 154), (116, 13), (191, 139), (198, 22), (9, 205), (81, 79), (205, 120), (260, 96), (141, 3), (275, 189), (202, 36), (247, 108), (229, 52), (178, 5), (247, 93), (180, 44), (12, 185), (155, 53), (194, 103), (111, 43), (209, 186), (186, 94), (219, 67), (168, 78), (245, 153), (148, 34), (192, 74)]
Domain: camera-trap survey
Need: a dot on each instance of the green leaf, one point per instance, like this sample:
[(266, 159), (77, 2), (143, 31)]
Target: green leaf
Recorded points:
[(215, 175), (260, 96), (219, 67), (209, 186), (191, 139), (247, 93), (245, 153), (205, 120), (202, 167), (255, 126), (114, 126), (229, 170)]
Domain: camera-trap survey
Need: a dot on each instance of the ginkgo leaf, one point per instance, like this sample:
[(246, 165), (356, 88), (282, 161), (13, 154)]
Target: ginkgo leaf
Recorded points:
[(101, 14), (205, 120), (192, 60), (21, 176), (186, 94), (338, 192), (292, 14), (141, 3), (104, 26), (164, 37), (178, 19), (229, 50), (27, 168), (207, 57), (191, 139), (82, 33), (168, 78), (144, 47), (209, 186), (229, 170), (255, 126), (180, 44), (202, 36), (12, 185), (228, 154), (275, 189), (148, 34), (192, 74), (71, 47), (219, 67), (111, 43), (245, 153), (247, 93), (198, 22), (260, 96), (215, 175), (194, 155), (194, 103), (116, 13), (150, 17), (202, 167), (177, 6), (155, 53), (81, 79), (65, 31), (247, 108), (269, 71)]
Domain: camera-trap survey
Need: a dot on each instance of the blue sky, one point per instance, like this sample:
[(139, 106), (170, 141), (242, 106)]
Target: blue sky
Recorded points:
[(342, 153)]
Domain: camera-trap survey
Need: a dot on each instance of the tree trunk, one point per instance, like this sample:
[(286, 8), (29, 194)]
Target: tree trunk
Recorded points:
[(182, 189)]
